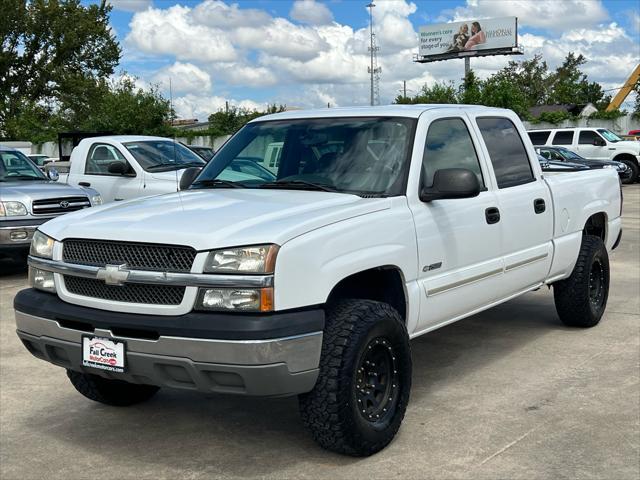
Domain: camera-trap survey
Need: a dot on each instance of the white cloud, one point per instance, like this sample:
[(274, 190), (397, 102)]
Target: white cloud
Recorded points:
[(554, 15), (311, 12), (183, 78), (215, 13), (605, 34), (131, 5), (172, 31)]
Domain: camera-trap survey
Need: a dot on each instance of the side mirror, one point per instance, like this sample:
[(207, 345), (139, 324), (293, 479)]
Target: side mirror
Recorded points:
[(53, 174), (451, 183), (188, 176), (117, 168), (598, 142)]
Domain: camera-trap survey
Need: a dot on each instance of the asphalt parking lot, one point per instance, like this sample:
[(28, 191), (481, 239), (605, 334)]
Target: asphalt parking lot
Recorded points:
[(509, 393)]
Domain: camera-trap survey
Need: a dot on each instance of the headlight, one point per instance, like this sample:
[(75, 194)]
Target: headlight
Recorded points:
[(243, 299), (96, 200), (253, 259), (41, 245), (42, 280), (12, 209)]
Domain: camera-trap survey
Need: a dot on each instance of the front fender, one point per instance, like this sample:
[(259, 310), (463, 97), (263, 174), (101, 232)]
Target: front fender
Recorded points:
[(311, 265)]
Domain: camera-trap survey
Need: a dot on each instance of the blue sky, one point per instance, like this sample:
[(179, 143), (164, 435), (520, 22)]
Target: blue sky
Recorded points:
[(309, 53)]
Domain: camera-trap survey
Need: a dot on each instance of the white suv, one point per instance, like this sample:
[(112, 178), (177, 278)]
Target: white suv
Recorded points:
[(592, 143)]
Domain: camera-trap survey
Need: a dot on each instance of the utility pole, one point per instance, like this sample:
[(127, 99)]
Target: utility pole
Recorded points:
[(374, 70), (404, 89)]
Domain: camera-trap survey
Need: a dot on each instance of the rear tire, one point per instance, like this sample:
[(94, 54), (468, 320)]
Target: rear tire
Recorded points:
[(361, 395), (116, 393), (581, 299)]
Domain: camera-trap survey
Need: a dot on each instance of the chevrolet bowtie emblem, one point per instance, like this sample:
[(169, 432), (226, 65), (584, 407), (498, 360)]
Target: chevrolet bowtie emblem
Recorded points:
[(113, 274)]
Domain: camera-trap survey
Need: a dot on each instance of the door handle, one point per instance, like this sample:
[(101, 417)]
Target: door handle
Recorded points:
[(539, 206), (84, 184), (492, 214)]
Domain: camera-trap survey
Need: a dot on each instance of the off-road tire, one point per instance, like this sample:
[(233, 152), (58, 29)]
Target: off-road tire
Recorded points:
[(331, 410), (574, 296), (110, 392), (635, 171)]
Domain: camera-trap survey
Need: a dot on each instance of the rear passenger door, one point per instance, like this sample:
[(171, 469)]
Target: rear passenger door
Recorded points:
[(524, 200)]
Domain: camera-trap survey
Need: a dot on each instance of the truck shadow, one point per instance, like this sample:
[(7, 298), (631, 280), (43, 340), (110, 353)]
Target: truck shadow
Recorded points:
[(13, 266), (241, 436)]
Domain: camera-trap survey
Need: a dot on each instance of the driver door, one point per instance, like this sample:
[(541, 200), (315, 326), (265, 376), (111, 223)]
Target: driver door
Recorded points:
[(112, 187)]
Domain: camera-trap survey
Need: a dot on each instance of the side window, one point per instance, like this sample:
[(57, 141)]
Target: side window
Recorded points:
[(563, 137), (539, 138), (99, 157), (449, 145), (587, 137), (506, 150)]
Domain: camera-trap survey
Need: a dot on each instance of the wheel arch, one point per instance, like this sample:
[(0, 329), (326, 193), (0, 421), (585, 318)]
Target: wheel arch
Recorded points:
[(596, 225), (385, 283), (625, 156)]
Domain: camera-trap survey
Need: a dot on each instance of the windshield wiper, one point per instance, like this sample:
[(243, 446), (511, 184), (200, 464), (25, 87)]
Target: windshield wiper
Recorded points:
[(173, 166), (216, 182), (299, 185)]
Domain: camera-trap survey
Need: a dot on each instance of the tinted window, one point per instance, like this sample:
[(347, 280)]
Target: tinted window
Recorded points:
[(539, 138), (99, 158), (506, 150), (449, 145), (563, 138), (587, 137)]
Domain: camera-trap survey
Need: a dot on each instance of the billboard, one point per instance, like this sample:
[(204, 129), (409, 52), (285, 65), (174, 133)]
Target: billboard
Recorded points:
[(474, 37)]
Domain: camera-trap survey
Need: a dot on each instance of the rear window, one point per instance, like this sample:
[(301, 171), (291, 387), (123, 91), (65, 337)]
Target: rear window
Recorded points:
[(539, 138), (564, 137), (506, 150)]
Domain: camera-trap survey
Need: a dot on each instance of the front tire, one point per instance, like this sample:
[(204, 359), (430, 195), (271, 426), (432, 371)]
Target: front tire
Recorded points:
[(581, 299), (635, 171), (362, 392), (116, 393)]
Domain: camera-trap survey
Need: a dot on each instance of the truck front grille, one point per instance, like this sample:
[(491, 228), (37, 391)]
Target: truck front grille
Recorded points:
[(137, 256), (59, 205), (129, 293)]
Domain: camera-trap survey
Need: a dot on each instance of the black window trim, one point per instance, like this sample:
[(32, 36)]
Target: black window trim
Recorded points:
[(483, 187), (130, 175), (511, 184)]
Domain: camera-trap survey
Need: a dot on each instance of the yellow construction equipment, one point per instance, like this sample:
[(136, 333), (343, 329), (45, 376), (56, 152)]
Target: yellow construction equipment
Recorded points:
[(625, 90)]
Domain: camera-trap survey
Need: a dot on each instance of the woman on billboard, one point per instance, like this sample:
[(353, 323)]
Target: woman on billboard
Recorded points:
[(477, 37)]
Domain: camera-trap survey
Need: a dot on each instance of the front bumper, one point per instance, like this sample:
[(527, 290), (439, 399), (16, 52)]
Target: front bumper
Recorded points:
[(18, 233), (254, 365)]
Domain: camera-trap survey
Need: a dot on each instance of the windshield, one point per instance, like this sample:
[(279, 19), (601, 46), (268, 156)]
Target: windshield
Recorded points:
[(163, 155), (351, 155), (609, 135), (15, 166), (569, 155)]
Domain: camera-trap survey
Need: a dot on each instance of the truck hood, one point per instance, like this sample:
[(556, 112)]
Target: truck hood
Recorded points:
[(37, 189), (206, 219)]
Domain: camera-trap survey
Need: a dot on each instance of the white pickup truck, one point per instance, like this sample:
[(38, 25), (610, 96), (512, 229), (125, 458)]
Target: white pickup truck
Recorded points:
[(127, 166), (382, 224)]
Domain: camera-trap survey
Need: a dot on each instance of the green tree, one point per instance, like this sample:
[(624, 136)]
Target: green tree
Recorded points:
[(54, 55), (470, 92), (125, 109), (229, 120), (569, 85), (500, 92), (531, 77), (438, 93)]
